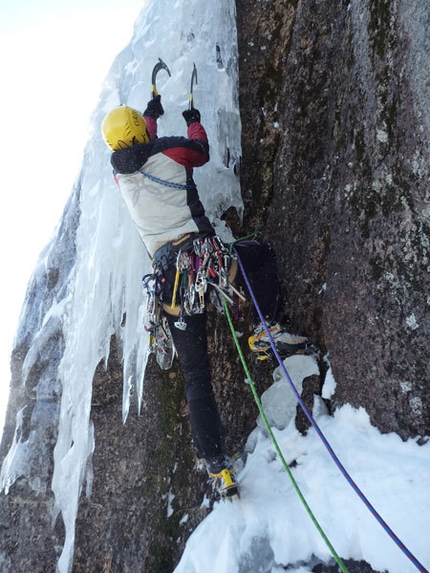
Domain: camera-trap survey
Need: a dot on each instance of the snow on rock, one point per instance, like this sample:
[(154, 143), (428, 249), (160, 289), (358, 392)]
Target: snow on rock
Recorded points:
[(279, 401), (268, 528)]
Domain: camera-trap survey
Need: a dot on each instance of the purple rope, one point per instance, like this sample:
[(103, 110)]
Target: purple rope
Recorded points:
[(318, 430)]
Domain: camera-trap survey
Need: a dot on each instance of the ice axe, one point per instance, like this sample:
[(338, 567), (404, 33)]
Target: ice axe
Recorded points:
[(193, 79), (160, 65)]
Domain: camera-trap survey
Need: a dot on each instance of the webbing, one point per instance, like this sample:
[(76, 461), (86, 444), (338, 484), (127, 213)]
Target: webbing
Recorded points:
[(319, 432)]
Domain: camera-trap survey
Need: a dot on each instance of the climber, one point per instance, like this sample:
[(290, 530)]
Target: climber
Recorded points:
[(155, 178)]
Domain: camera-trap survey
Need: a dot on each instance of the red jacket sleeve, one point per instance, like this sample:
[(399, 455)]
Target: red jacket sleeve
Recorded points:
[(197, 131), (193, 151), (151, 127)]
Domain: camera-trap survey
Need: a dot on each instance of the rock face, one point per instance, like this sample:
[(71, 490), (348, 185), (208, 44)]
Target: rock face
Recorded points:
[(334, 101), (335, 110), (31, 541)]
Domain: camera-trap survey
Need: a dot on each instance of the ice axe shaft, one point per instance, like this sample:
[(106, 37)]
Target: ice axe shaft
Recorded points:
[(193, 79), (160, 65)]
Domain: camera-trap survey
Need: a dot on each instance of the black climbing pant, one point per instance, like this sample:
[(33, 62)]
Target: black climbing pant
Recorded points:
[(259, 261), (191, 346)]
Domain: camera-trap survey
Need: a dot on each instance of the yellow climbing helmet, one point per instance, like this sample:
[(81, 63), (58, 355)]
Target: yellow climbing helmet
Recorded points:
[(124, 126)]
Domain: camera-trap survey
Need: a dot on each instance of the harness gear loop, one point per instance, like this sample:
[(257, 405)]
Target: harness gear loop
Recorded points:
[(202, 264)]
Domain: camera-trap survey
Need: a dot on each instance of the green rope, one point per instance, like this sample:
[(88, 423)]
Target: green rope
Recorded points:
[(253, 236), (275, 443)]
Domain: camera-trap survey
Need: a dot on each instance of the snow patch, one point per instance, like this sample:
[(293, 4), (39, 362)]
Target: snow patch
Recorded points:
[(268, 528), (279, 402)]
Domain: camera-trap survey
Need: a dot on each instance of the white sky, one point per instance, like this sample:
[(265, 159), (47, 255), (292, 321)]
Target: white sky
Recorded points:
[(54, 56)]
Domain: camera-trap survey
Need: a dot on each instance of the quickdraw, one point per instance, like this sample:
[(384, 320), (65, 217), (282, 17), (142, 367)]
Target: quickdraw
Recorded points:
[(154, 322), (202, 266), (206, 266)]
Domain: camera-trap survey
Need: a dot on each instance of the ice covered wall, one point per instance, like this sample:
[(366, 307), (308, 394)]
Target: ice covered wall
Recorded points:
[(100, 296)]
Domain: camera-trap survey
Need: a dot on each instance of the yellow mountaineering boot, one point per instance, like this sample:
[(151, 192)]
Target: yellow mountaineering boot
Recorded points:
[(224, 484), (286, 344)]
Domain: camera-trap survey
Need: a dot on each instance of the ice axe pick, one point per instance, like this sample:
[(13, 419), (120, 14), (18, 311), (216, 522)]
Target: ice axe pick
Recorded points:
[(193, 79), (160, 65)]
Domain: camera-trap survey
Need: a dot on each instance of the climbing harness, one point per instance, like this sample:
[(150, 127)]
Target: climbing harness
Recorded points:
[(202, 266), (314, 424)]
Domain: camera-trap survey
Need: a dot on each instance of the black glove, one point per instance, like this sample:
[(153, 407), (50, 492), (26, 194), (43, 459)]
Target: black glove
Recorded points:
[(154, 108), (191, 115)]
